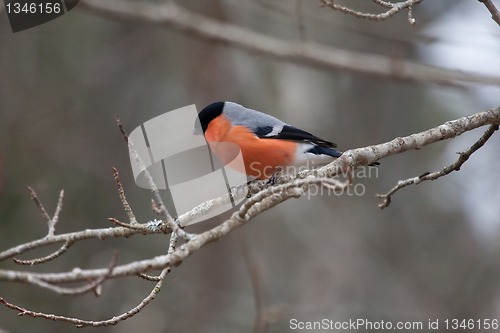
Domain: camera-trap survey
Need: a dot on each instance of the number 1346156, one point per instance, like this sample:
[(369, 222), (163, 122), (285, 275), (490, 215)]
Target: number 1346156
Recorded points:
[(33, 8)]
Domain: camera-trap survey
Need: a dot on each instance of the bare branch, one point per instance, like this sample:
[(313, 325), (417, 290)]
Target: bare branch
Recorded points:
[(91, 286), (136, 226), (95, 285), (25, 312), (47, 258), (74, 237), (123, 198), (464, 156), (169, 221), (55, 218), (171, 15), (155, 208), (39, 204), (156, 193), (120, 127), (259, 203), (383, 3), (450, 129), (149, 178), (351, 158), (212, 204), (51, 222), (495, 13), (394, 8), (82, 323), (135, 310), (172, 243), (287, 187), (157, 205), (147, 277)]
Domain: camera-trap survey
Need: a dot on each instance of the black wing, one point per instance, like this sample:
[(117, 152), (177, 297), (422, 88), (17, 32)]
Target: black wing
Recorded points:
[(292, 133)]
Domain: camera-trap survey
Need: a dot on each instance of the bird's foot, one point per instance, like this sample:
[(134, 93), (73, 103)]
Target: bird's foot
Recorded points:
[(274, 177)]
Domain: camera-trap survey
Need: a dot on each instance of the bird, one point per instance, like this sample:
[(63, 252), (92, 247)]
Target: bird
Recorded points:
[(267, 144)]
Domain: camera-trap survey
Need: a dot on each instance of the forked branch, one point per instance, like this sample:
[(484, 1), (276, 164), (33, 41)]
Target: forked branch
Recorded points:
[(392, 9), (286, 187), (464, 156)]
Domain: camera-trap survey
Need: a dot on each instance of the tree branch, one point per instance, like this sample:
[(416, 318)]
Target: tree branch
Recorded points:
[(74, 237), (464, 156), (121, 193), (393, 9), (350, 159), (82, 323), (169, 14), (495, 13), (259, 203), (47, 258), (450, 129), (286, 187)]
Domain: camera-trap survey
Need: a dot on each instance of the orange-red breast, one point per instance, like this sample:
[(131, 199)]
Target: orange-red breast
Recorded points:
[(267, 144)]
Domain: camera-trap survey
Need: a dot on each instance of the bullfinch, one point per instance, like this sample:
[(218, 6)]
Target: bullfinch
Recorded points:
[(267, 144)]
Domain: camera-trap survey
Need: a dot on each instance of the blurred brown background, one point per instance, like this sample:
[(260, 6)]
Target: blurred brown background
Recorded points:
[(432, 254)]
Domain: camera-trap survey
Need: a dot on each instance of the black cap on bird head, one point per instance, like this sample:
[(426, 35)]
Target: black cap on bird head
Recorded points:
[(206, 115)]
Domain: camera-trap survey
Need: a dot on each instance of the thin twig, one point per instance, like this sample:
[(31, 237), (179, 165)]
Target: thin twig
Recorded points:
[(208, 206), (120, 127), (282, 192), (394, 8), (464, 156), (101, 233), (154, 278), (383, 3), (495, 13), (91, 286), (172, 243), (82, 323), (53, 221), (171, 223), (52, 256), (136, 226), (95, 285), (169, 14), (171, 250), (39, 204), (155, 208), (123, 198), (147, 175)]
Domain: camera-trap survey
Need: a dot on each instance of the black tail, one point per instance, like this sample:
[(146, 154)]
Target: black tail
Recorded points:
[(324, 151)]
